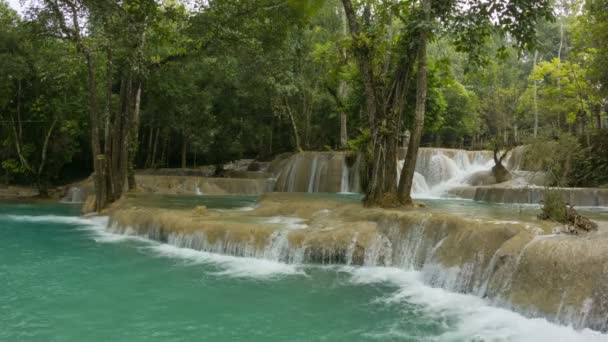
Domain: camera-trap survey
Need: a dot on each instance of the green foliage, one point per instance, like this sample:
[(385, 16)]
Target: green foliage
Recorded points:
[(564, 89), (225, 78), (43, 87), (554, 207), (591, 166), (13, 167), (362, 143), (554, 155)]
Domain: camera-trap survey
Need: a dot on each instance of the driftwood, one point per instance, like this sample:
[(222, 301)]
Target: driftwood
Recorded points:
[(499, 171), (577, 223)]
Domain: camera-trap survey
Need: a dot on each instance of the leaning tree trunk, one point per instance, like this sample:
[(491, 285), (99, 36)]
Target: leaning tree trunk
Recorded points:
[(294, 126), (409, 166)]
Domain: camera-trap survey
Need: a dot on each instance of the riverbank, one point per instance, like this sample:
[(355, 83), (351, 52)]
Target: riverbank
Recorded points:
[(519, 264)]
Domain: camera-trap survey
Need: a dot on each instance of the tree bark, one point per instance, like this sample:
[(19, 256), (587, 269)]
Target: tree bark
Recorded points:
[(535, 98), (409, 166), (294, 126), (154, 149), (343, 92), (384, 109), (364, 61), (184, 151), (343, 130), (98, 158), (149, 148), (134, 139)]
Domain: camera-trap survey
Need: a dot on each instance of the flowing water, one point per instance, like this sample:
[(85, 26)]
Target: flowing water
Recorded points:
[(437, 170), (66, 279)]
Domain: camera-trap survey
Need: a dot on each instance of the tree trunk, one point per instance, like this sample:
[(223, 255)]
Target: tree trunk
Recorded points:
[(98, 158), (134, 139), (384, 109), (294, 127), (149, 148), (364, 62), (343, 91), (184, 151), (409, 166), (535, 98), (343, 130), (155, 148), (163, 156)]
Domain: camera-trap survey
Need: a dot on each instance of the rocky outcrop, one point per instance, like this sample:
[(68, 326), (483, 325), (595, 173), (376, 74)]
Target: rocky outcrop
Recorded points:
[(517, 264)]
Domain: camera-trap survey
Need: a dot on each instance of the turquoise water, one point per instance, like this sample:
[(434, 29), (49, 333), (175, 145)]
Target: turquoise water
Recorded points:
[(65, 279)]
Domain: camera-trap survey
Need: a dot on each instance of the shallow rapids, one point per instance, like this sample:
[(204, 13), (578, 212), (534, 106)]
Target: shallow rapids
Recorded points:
[(68, 279)]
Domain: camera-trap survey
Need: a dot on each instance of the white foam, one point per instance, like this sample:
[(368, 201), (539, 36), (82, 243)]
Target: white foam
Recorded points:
[(468, 317), (231, 266), (47, 218), (98, 228)]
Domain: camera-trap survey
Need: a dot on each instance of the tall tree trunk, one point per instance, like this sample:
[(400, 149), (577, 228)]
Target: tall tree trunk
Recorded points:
[(364, 62), (99, 159), (294, 127), (384, 110), (375, 188), (184, 150), (535, 98), (108, 177), (409, 167), (149, 148), (163, 156), (155, 148), (134, 139), (43, 189), (343, 90), (343, 130)]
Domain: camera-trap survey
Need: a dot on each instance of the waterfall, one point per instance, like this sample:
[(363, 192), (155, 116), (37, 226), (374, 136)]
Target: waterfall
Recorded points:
[(344, 182), (437, 171), (74, 195), (503, 262), (313, 173)]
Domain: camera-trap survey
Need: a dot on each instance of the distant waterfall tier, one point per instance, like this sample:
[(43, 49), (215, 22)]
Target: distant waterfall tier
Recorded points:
[(318, 172), (437, 170)]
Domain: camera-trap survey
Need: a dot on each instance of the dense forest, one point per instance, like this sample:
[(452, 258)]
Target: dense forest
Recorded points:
[(109, 86)]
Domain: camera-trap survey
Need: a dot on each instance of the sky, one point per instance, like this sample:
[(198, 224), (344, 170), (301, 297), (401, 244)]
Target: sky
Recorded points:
[(15, 4)]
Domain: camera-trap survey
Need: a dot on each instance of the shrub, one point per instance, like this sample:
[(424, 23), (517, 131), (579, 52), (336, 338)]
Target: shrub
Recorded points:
[(554, 207), (554, 155), (591, 166)]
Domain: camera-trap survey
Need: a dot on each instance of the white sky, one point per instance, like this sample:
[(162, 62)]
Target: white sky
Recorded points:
[(15, 4)]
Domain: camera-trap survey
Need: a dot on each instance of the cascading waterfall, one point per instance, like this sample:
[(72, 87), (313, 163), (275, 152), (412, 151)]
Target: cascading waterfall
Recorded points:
[(344, 182), (443, 169), (457, 254), (75, 195), (313, 174), (437, 170)]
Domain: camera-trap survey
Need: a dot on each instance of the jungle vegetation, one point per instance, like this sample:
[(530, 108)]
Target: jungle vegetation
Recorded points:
[(111, 86)]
